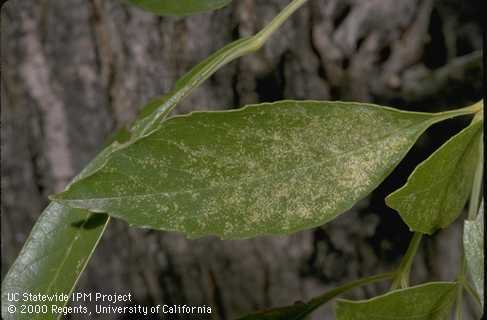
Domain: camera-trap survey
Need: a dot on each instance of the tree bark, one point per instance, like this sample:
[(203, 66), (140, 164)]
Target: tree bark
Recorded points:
[(73, 71)]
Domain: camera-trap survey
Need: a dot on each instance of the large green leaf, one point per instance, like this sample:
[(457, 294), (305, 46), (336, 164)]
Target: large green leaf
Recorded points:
[(438, 189), (431, 301), (473, 243), (265, 169), (179, 7), (63, 239)]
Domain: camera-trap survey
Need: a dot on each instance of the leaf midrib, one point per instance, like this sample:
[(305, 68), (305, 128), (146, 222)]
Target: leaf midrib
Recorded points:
[(63, 262)]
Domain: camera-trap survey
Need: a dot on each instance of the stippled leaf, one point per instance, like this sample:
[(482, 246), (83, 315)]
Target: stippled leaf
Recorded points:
[(431, 301), (473, 243), (64, 238), (265, 169), (438, 189), (179, 7)]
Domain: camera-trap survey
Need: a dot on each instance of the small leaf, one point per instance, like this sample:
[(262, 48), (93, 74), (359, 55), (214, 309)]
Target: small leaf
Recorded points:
[(438, 188), (179, 7), (431, 301), (473, 242), (301, 310), (266, 169)]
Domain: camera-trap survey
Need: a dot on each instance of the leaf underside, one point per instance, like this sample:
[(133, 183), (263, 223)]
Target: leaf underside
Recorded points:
[(265, 169), (179, 7), (438, 188), (431, 301), (473, 243)]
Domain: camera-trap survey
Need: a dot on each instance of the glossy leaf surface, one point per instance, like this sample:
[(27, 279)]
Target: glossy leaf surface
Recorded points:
[(179, 7), (431, 301), (473, 243), (55, 254), (53, 258), (438, 188), (264, 169)]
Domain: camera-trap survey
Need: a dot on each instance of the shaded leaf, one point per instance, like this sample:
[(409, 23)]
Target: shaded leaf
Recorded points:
[(56, 252), (431, 301), (179, 7), (473, 242), (265, 169), (438, 188), (301, 310), (52, 259)]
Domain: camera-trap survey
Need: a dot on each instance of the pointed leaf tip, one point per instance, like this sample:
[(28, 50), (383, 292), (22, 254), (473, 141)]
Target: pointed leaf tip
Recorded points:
[(438, 188)]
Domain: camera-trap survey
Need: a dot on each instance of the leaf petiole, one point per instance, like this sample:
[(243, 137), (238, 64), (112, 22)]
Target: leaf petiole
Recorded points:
[(401, 278), (320, 300), (300, 311), (164, 105), (475, 108), (462, 280), (471, 291)]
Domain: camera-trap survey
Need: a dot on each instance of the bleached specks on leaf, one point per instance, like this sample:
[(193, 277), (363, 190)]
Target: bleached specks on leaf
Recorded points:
[(265, 169)]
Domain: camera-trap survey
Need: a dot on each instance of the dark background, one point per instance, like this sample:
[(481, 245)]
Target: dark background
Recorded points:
[(73, 71)]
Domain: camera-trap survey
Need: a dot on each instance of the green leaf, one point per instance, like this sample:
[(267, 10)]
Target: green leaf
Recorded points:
[(438, 188), (63, 239), (265, 169), (179, 7), (53, 258), (56, 252), (473, 243), (301, 310), (431, 301)]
